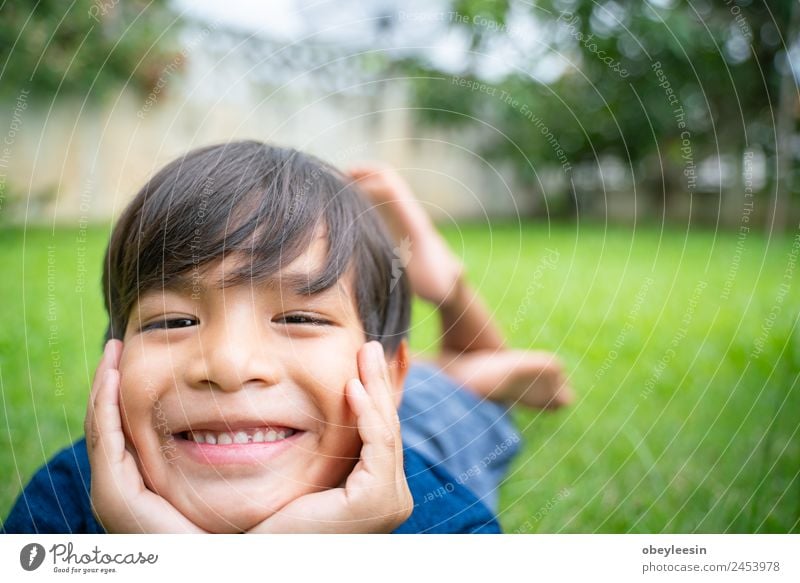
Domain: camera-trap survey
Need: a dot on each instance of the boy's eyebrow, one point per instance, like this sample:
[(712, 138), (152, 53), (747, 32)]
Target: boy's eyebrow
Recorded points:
[(182, 284), (291, 281), (294, 282)]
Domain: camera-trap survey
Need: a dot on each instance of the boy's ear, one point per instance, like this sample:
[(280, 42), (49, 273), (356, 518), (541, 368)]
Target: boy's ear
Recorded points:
[(398, 369)]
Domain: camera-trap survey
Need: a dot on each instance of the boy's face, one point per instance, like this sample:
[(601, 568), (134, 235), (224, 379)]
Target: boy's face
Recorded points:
[(234, 397)]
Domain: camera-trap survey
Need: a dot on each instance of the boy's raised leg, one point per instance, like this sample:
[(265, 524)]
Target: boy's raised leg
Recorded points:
[(473, 348)]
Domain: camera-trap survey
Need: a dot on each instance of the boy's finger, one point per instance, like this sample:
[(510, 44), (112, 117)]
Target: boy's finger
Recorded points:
[(109, 360), (375, 377), (377, 435), (107, 436), (382, 451), (384, 396), (390, 404), (102, 366), (99, 373)]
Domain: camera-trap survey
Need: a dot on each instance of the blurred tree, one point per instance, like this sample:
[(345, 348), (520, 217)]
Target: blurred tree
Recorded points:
[(664, 84), (84, 47)]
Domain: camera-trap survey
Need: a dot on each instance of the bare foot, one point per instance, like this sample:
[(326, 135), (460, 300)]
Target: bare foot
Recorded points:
[(433, 270), (532, 378)]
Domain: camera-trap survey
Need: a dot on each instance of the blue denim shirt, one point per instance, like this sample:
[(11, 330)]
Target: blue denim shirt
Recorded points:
[(57, 499)]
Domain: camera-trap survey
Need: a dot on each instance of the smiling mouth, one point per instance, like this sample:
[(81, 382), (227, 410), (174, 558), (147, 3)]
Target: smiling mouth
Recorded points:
[(240, 436)]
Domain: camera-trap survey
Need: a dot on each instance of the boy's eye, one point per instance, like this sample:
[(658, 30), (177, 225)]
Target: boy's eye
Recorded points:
[(170, 323), (302, 319)]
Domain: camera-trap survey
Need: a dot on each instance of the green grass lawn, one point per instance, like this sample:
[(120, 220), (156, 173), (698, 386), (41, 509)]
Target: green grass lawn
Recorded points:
[(683, 349)]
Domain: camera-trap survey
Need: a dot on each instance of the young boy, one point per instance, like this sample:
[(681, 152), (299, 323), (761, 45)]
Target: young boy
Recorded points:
[(257, 356)]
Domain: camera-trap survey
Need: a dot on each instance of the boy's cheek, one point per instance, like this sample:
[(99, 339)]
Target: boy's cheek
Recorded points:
[(145, 428), (139, 395), (132, 410), (137, 367), (131, 355)]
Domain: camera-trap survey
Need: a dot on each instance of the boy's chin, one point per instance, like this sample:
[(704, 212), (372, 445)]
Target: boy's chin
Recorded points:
[(236, 516), (234, 503), (231, 506), (233, 521)]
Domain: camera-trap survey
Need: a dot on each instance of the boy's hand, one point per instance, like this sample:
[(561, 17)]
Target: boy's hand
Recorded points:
[(375, 496), (120, 499)]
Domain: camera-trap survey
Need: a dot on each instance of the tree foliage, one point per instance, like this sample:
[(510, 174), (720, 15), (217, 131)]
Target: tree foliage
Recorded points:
[(662, 84), (83, 47)]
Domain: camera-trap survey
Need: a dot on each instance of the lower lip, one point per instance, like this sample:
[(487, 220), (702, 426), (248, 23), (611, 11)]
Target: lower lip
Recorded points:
[(235, 453)]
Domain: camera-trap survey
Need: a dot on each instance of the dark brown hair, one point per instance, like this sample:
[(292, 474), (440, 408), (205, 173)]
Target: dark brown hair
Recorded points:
[(266, 204)]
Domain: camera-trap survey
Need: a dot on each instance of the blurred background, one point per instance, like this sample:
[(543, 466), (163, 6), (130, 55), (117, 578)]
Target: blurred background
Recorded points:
[(642, 110), (651, 146)]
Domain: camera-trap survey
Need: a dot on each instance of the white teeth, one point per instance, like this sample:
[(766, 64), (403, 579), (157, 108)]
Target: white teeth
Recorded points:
[(239, 437)]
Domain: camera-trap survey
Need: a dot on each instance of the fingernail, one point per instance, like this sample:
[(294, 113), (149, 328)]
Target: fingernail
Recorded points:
[(377, 350)]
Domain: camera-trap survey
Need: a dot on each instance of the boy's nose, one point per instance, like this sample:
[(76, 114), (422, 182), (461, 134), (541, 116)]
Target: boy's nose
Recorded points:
[(234, 355)]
